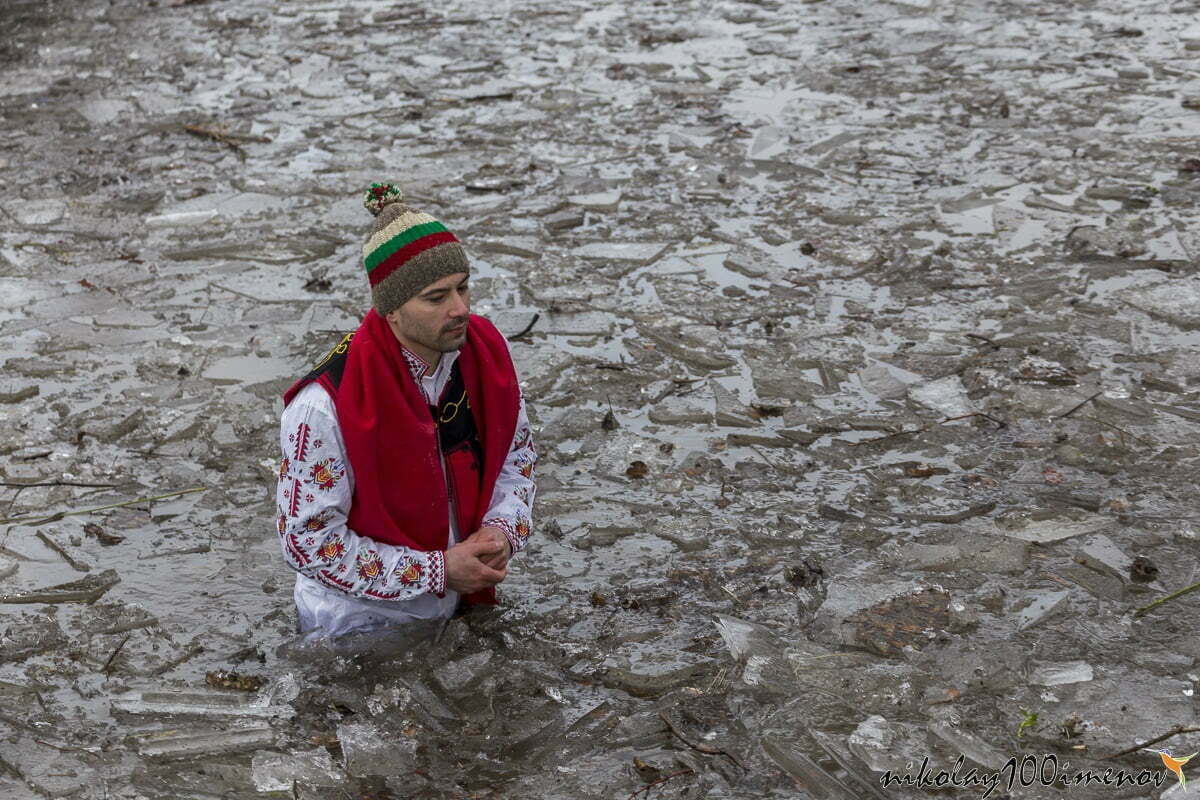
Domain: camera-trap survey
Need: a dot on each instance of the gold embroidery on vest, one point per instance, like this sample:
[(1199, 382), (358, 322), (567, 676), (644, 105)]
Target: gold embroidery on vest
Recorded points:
[(443, 419), (337, 350)]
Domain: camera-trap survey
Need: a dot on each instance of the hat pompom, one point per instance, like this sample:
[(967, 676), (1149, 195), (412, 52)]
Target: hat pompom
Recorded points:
[(381, 195)]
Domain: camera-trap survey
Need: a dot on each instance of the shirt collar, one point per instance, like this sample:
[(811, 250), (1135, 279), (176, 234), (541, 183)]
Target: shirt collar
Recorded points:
[(416, 365), (420, 368)]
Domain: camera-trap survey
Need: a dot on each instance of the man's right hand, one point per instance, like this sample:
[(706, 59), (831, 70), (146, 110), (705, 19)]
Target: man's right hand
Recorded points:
[(465, 570)]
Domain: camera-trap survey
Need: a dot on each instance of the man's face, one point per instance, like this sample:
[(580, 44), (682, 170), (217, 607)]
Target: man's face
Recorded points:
[(434, 321)]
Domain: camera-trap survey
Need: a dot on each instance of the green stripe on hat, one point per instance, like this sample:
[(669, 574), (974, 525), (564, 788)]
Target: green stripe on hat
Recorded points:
[(380, 254)]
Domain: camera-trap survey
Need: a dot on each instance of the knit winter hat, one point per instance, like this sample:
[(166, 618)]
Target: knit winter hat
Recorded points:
[(407, 249)]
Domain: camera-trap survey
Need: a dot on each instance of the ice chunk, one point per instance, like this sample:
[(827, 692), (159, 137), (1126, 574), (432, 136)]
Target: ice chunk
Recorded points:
[(769, 142), (277, 772), (945, 395), (181, 219), (30, 634), (881, 381), (1043, 605), (969, 745), (1059, 674), (806, 771), (845, 596), (1103, 555), (1101, 584), (371, 750), (729, 410), (693, 356), (246, 369), (884, 745), (1054, 530), (35, 213), (280, 691), (429, 702), (87, 590), (459, 676), (745, 639), (640, 253), (653, 670), (911, 620), (533, 733), (1175, 301), (599, 201), (173, 743), (202, 704)]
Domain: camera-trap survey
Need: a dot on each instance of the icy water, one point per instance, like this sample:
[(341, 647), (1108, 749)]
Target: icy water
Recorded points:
[(895, 303)]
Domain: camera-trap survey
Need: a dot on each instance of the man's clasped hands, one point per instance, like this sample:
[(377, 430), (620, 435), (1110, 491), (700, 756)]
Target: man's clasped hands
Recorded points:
[(478, 562)]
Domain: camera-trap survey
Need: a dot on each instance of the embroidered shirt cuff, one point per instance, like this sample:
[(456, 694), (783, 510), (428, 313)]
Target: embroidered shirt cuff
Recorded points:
[(437, 573), (509, 532)]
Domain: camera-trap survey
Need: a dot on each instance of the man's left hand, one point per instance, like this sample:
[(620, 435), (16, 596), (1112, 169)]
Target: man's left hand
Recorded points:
[(496, 560)]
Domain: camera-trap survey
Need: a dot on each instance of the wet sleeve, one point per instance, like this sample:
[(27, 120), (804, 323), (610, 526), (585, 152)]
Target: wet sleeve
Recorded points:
[(313, 497), (511, 509)]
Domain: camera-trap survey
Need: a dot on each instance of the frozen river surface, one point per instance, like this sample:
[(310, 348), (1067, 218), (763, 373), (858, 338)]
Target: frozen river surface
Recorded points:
[(895, 307)]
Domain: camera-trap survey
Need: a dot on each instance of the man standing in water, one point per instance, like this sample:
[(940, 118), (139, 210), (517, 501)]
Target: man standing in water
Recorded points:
[(407, 473)]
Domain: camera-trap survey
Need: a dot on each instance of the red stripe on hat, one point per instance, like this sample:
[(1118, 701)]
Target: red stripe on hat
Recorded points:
[(397, 259)]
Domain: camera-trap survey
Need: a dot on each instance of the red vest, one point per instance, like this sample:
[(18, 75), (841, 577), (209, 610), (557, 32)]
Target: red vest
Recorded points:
[(392, 435)]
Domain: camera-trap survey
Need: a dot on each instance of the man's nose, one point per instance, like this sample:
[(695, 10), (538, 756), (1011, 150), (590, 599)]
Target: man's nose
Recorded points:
[(460, 307)]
